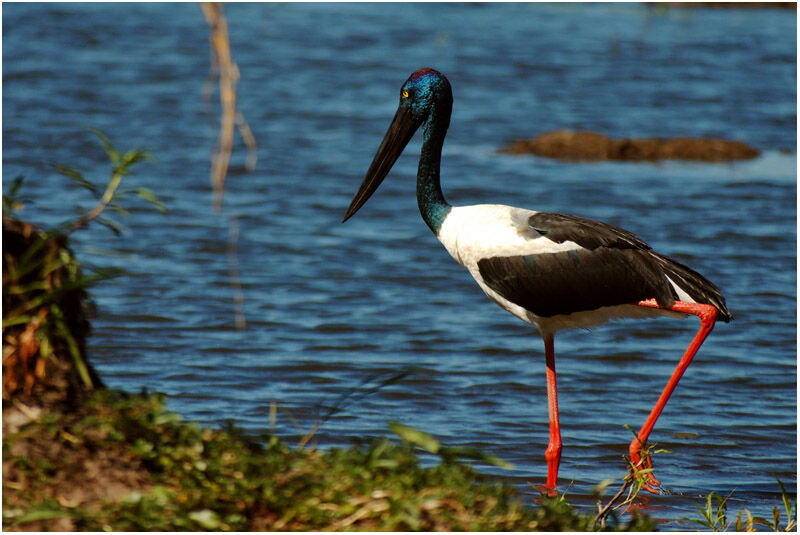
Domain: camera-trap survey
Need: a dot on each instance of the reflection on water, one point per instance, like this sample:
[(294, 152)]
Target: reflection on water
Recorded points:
[(334, 308)]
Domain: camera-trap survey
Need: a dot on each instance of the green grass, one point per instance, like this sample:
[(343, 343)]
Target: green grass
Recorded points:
[(185, 477), (714, 515)]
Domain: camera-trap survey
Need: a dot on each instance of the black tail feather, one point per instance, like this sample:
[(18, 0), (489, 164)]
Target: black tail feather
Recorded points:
[(694, 284)]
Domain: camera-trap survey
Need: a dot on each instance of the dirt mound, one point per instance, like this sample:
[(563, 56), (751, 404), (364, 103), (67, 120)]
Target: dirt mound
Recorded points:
[(70, 459), (45, 309), (591, 146)]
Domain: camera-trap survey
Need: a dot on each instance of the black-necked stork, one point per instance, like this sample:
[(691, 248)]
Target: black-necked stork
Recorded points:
[(553, 271)]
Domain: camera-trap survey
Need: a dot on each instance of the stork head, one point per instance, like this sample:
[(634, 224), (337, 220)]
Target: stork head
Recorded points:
[(425, 94)]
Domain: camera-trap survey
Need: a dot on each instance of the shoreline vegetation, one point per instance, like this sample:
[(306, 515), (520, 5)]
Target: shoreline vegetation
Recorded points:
[(122, 462)]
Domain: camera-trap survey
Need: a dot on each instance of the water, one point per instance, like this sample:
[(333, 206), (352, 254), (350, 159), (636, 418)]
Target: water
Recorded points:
[(333, 309)]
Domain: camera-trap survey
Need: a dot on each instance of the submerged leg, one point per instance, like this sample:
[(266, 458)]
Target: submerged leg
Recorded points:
[(707, 315), (553, 452)]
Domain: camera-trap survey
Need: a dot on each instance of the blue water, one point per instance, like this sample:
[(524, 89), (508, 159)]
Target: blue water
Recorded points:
[(333, 309)]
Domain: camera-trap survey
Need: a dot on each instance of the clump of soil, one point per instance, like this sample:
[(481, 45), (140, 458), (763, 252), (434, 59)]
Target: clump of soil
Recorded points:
[(45, 309), (591, 146)]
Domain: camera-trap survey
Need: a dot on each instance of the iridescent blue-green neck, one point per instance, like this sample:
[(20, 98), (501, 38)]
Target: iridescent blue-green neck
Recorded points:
[(432, 204)]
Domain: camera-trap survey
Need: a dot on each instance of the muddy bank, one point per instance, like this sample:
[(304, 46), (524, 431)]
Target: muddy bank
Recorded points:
[(591, 146)]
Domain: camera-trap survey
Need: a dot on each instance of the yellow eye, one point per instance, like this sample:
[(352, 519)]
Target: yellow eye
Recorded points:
[(405, 93)]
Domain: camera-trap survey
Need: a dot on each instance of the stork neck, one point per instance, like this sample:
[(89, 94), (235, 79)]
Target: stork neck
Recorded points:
[(432, 204)]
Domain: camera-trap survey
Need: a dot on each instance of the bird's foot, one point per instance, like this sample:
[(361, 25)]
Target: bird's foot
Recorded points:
[(551, 492), (653, 486), (642, 469)]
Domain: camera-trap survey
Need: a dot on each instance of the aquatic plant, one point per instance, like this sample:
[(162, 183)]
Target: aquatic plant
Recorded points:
[(714, 515)]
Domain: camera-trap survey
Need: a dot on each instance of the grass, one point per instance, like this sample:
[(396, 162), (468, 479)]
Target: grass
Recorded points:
[(123, 462), (714, 515), (132, 465)]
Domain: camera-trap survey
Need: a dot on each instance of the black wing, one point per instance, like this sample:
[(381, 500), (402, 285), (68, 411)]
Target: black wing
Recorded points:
[(573, 281), (585, 232), (612, 267)]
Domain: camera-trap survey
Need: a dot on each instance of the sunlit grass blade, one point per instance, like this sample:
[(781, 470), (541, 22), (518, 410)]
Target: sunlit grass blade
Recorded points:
[(148, 196), (112, 153), (78, 178), (790, 506), (416, 437), (475, 454)]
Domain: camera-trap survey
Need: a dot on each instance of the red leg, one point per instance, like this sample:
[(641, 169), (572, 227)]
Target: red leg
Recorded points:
[(553, 452), (707, 315)]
